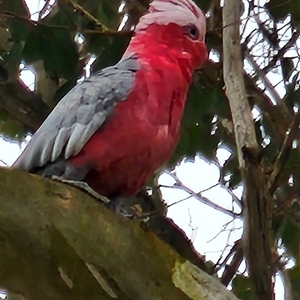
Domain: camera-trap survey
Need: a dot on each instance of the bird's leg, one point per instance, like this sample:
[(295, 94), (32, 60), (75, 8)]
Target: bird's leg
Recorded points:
[(137, 207), (83, 186)]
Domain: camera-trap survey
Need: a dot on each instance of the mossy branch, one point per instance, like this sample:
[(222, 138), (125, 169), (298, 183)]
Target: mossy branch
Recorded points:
[(58, 243)]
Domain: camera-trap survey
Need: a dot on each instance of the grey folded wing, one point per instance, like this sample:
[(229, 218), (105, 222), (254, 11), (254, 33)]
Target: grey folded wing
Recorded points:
[(78, 115)]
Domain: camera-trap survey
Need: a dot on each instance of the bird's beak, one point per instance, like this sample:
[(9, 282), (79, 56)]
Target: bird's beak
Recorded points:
[(201, 53)]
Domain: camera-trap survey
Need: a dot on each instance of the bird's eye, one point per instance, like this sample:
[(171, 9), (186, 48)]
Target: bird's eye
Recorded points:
[(192, 31)]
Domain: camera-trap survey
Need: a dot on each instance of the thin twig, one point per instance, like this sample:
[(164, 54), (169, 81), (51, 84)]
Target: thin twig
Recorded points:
[(179, 185), (98, 31), (46, 7), (284, 154), (3, 162), (233, 249), (234, 197), (248, 17), (287, 201), (280, 53), (263, 76), (223, 230), (76, 7)]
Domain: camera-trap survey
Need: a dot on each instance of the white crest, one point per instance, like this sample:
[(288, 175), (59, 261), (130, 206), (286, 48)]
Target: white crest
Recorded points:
[(181, 12)]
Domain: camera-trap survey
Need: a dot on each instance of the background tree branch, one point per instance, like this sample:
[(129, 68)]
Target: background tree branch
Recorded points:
[(22, 105), (256, 197)]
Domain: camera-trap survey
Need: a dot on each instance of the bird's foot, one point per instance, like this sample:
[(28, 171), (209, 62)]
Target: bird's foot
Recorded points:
[(83, 186), (138, 207)]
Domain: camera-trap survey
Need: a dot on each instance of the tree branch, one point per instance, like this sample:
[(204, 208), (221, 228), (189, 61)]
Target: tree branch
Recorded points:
[(276, 115), (284, 154), (292, 41), (257, 201), (231, 269), (77, 8), (263, 76), (57, 243), (100, 29), (233, 78), (22, 105)]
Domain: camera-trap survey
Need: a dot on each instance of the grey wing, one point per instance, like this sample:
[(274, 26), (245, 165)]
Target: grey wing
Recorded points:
[(78, 115)]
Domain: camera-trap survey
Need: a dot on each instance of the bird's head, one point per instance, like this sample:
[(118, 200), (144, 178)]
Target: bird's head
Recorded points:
[(179, 25)]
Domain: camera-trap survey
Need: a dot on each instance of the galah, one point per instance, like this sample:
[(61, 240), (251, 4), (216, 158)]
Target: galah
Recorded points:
[(113, 130)]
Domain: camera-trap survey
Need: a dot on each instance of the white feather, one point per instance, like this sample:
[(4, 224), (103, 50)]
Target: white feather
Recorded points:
[(181, 12)]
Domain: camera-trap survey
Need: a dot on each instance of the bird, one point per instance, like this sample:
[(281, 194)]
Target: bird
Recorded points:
[(112, 131)]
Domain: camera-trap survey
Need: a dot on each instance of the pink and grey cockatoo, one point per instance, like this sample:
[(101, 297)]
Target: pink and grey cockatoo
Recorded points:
[(113, 130)]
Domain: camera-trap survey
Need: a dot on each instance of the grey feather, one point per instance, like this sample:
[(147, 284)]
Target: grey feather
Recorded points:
[(78, 115), (63, 135)]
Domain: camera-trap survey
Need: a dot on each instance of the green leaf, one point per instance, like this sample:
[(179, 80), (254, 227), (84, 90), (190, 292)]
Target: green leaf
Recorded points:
[(33, 49), (293, 161), (20, 29), (204, 103), (231, 168), (258, 132), (14, 56), (56, 47), (241, 287), (19, 26), (112, 49), (107, 13), (17, 7), (280, 9), (12, 130), (3, 115), (293, 92), (64, 16), (289, 233), (196, 130), (214, 41), (181, 149), (204, 4), (288, 67), (60, 53), (195, 139), (65, 88)]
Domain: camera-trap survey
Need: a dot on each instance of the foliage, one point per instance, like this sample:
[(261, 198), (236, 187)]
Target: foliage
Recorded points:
[(207, 123)]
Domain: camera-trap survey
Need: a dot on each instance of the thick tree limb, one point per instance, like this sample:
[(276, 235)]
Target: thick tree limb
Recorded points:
[(233, 78), (57, 243), (257, 200)]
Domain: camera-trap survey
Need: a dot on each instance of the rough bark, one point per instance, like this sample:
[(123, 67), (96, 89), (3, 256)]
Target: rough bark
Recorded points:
[(256, 198), (58, 243)]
